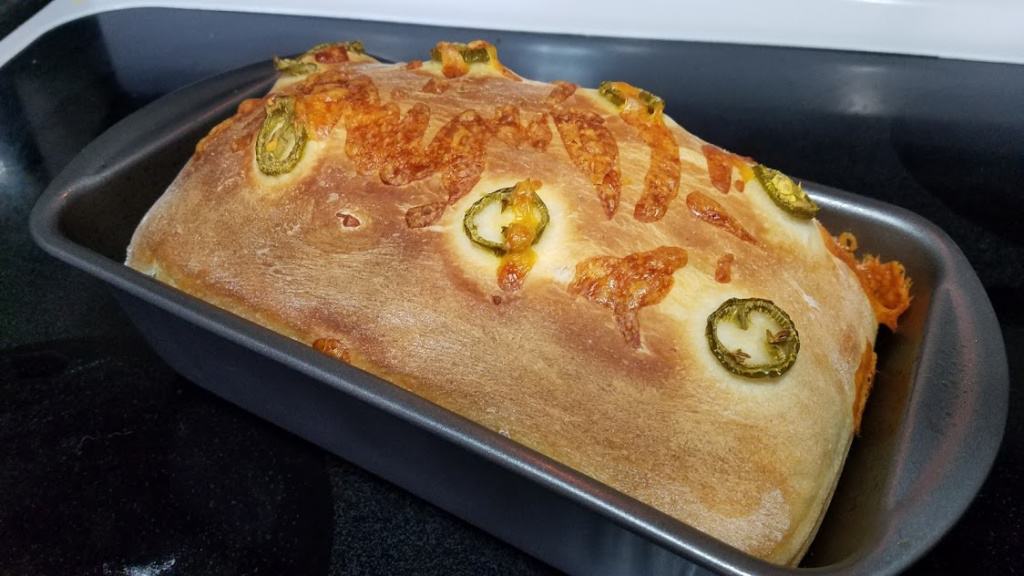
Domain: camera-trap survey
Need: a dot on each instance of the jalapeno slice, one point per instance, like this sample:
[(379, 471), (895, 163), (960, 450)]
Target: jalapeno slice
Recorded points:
[(281, 140), (353, 46), (781, 346), (503, 195), (301, 66), (610, 93), (294, 67), (786, 193), (619, 92), (469, 55)]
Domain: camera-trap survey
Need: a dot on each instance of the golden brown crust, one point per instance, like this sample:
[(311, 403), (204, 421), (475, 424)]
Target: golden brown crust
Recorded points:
[(863, 380), (656, 417)]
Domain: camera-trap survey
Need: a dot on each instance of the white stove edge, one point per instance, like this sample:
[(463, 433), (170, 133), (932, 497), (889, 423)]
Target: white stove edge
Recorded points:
[(983, 30)]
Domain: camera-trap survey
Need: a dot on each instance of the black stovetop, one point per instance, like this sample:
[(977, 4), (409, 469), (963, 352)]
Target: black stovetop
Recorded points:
[(110, 463)]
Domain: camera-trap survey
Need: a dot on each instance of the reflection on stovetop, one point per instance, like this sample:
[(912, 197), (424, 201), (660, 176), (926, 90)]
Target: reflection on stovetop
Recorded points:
[(112, 461), (112, 464)]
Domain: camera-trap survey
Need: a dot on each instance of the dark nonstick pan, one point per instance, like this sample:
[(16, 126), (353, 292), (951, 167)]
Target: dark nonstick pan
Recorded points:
[(931, 430)]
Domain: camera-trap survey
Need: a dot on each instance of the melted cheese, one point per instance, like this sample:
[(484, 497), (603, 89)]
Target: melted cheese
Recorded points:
[(756, 476), (554, 254), (475, 69)]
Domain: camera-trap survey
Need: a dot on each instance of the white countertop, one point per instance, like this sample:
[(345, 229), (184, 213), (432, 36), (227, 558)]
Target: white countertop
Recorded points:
[(984, 30)]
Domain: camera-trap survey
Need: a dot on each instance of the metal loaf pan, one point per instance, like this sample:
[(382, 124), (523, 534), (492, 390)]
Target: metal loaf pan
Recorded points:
[(931, 430)]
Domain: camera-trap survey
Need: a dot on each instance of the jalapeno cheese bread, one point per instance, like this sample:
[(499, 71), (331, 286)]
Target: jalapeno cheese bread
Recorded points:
[(566, 266)]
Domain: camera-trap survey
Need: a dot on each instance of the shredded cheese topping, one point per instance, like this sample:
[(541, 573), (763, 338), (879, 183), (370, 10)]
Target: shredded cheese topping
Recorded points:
[(627, 284), (885, 283)]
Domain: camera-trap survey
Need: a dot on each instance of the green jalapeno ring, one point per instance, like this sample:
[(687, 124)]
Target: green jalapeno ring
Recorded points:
[(353, 46), (503, 195), (294, 67), (652, 101), (469, 55), (610, 93), (475, 55), (784, 345), (300, 67), (786, 193), (280, 125)]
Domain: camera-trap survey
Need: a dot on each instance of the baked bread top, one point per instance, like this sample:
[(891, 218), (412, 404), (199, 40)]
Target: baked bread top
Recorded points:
[(553, 262)]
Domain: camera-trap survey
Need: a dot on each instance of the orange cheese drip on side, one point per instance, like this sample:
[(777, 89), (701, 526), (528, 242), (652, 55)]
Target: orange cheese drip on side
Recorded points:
[(885, 283)]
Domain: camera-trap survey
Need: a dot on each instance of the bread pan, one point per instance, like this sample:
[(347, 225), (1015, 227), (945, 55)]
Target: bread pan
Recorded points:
[(930, 432)]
